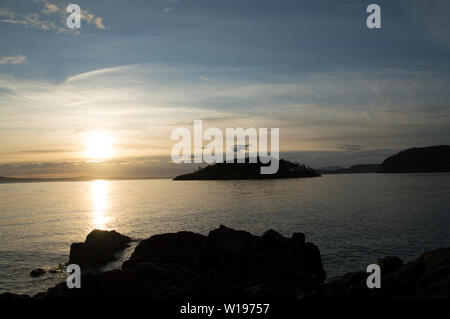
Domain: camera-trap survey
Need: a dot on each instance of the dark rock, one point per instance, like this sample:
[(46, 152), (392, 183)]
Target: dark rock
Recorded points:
[(98, 248), (238, 242), (236, 264), (314, 262), (298, 239), (226, 249), (389, 263), (227, 263), (37, 272), (273, 238), (350, 286), (180, 248), (427, 277), (7, 296)]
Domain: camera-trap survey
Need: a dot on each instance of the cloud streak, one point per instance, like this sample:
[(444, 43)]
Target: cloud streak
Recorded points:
[(15, 59), (52, 17), (142, 103)]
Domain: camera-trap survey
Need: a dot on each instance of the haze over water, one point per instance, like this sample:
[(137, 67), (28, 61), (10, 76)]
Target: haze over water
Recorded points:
[(353, 219)]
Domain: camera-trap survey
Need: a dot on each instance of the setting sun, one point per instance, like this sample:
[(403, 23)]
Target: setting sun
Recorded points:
[(99, 146)]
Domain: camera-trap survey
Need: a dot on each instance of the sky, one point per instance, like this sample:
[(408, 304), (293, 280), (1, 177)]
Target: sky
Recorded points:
[(340, 93)]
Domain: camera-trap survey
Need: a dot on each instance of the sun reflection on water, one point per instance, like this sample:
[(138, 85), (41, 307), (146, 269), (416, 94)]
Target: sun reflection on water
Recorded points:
[(99, 194)]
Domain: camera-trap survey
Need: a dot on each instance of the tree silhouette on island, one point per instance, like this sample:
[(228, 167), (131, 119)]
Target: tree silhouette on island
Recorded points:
[(230, 171)]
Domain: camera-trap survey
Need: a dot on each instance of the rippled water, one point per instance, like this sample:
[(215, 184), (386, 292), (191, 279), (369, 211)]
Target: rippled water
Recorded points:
[(354, 219)]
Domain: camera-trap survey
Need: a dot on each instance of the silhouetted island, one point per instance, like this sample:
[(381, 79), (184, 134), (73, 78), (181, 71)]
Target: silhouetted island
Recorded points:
[(419, 160), (231, 171)]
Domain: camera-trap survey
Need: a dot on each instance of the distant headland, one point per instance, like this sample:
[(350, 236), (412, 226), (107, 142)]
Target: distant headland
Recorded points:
[(419, 160), (232, 171), (431, 159)]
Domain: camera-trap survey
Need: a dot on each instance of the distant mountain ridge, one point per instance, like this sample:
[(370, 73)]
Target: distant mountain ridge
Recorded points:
[(355, 169), (6, 180)]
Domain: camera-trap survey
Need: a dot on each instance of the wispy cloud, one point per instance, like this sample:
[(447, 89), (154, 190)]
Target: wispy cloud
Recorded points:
[(170, 9), (15, 59), (350, 147), (316, 111), (140, 105), (52, 17), (50, 8), (99, 23)]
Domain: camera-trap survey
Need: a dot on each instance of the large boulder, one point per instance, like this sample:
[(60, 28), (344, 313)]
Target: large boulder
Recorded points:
[(99, 248), (389, 263), (180, 248), (226, 249)]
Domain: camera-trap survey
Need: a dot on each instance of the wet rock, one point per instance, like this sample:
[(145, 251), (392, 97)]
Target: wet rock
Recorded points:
[(98, 248), (226, 249), (37, 272)]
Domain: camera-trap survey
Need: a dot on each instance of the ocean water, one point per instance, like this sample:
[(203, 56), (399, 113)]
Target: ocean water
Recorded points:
[(354, 219)]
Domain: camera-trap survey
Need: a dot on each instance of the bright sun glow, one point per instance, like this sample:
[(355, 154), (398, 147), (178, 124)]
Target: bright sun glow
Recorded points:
[(99, 146)]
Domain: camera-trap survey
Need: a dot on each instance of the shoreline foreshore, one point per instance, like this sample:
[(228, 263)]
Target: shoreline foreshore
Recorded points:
[(230, 264)]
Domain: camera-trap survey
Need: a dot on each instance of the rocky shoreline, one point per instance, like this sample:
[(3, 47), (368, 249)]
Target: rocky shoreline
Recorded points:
[(231, 263)]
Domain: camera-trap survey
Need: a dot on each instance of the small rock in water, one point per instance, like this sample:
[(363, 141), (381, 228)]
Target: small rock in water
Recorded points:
[(37, 272), (54, 271)]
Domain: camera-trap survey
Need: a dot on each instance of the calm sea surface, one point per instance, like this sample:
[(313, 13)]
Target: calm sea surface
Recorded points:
[(354, 219)]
